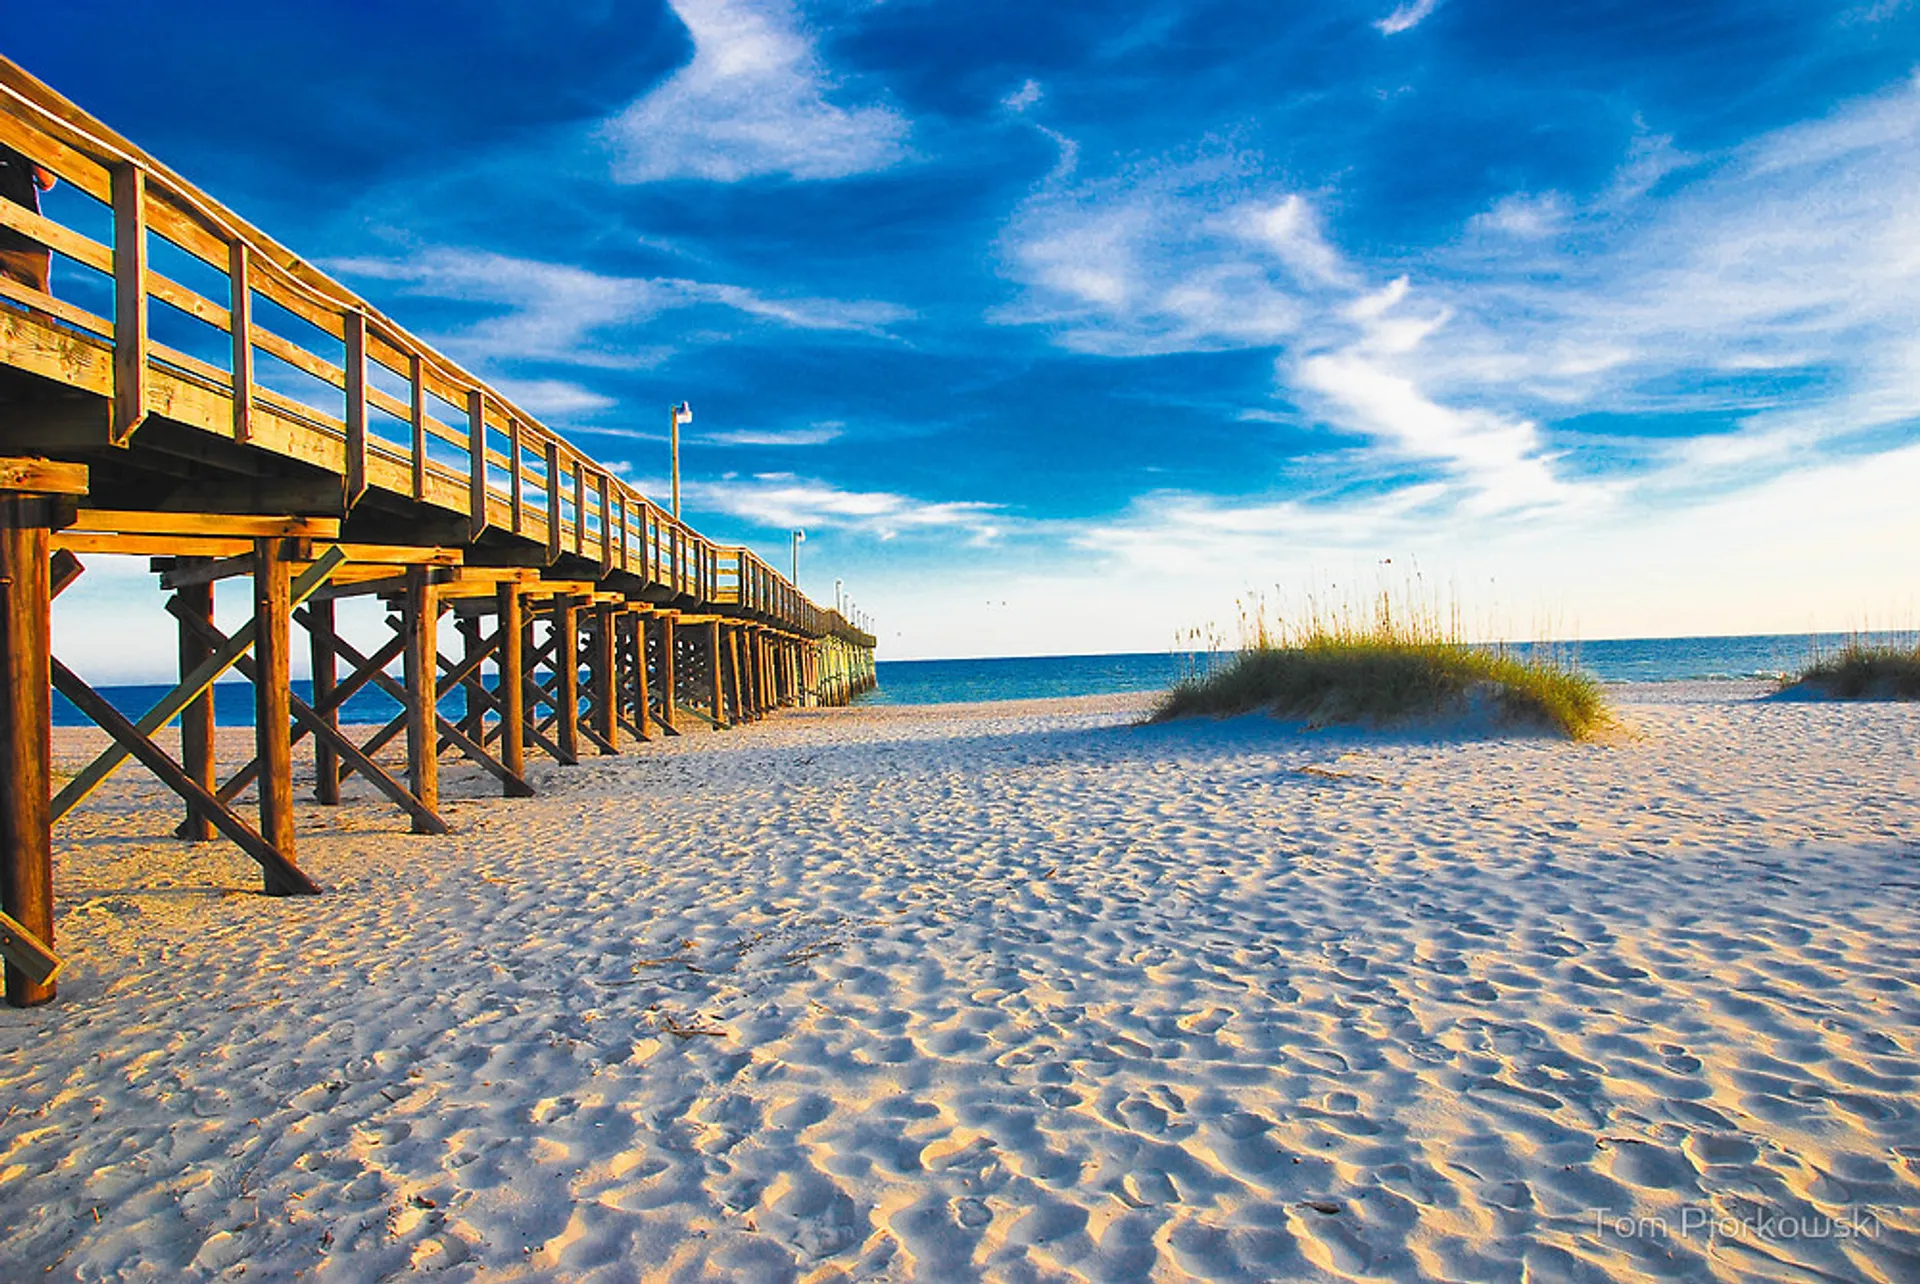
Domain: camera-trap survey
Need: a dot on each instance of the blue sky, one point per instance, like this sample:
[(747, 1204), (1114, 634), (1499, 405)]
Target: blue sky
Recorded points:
[(1060, 326)]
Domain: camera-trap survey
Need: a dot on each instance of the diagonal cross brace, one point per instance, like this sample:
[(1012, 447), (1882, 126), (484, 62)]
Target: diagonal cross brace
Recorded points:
[(345, 691), (283, 876), (516, 786), (81, 786), (311, 721)]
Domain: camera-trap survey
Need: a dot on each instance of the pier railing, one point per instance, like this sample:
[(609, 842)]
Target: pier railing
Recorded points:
[(239, 337)]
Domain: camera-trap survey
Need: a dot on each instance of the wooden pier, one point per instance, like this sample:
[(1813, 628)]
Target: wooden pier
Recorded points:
[(307, 445)]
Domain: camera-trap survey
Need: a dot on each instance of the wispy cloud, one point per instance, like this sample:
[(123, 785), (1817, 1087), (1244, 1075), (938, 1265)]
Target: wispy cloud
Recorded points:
[(1407, 16), (755, 100), (1193, 256), (1776, 289), (557, 313), (812, 435), (786, 500), (554, 397)]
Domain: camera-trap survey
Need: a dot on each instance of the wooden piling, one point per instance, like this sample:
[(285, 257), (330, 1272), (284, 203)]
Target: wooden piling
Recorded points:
[(197, 719), (606, 687), (668, 686), (566, 666), (320, 637), (272, 705), (420, 617), (718, 689), (510, 684), (26, 735), (636, 672)]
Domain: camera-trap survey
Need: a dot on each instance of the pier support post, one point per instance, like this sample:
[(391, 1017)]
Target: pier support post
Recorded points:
[(473, 718), (668, 687), (566, 667), (635, 623), (606, 686), (422, 675), (320, 638), (26, 731), (718, 689), (196, 720), (273, 706), (510, 681)]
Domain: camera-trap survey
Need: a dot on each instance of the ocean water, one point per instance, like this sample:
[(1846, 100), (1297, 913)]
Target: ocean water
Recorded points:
[(1032, 677), (1619, 660)]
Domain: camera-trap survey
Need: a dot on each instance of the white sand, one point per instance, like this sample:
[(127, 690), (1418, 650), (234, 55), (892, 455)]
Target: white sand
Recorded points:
[(1016, 992)]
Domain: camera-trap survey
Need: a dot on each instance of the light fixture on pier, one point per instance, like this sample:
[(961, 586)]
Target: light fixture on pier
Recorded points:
[(680, 414), (799, 538)]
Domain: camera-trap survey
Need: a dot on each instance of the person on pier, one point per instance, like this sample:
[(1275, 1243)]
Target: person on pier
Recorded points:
[(22, 258)]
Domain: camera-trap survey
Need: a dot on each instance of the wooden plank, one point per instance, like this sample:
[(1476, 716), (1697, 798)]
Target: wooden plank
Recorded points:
[(417, 420), (579, 508), (129, 301), (218, 525), (322, 723), (97, 771), (667, 684), (150, 545), (421, 618), (43, 477), (566, 667), (606, 682), (516, 473), (716, 691), (476, 465), (553, 500), (81, 249), (319, 622), (28, 297), (26, 848), (479, 756), (272, 703), (197, 719), (356, 388), (603, 488), (282, 875), (299, 358), (27, 954), (240, 327)]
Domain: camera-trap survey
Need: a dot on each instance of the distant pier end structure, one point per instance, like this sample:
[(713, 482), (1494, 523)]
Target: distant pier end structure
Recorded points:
[(203, 397)]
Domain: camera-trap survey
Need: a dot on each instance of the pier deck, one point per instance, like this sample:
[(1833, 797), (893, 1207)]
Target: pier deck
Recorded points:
[(289, 434)]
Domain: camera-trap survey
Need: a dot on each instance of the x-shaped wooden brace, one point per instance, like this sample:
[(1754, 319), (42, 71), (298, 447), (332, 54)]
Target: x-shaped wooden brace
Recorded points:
[(312, 721), (134, 739), (515, 786)]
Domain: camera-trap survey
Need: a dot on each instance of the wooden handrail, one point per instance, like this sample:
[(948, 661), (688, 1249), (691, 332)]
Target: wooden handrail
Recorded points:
[(577, 505)]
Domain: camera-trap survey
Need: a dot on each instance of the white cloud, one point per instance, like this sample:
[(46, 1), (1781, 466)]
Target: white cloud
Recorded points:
[(813, 435), (557, 313), (754, 101), (1775, 287), (1407, 16), (1525, 215), (1024, 97), (1197, 256), (555, 398), (788, 500)]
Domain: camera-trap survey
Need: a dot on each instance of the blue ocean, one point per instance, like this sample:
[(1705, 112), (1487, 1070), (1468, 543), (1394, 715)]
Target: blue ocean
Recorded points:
[(1030, 677)]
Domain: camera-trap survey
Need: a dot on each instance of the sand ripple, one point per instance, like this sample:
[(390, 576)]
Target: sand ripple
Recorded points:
[(1016, 992)]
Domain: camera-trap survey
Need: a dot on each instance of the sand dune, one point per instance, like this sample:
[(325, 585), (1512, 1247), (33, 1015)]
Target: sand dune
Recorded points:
[(1015, 991)]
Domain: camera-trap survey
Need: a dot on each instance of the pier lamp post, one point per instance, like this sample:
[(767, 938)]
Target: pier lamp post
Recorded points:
[(799, 538), (838, 600), (680, 414)]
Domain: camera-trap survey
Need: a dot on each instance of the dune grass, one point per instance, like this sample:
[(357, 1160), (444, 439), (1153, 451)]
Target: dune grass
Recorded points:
[(1862, 670), (1383, 666)]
